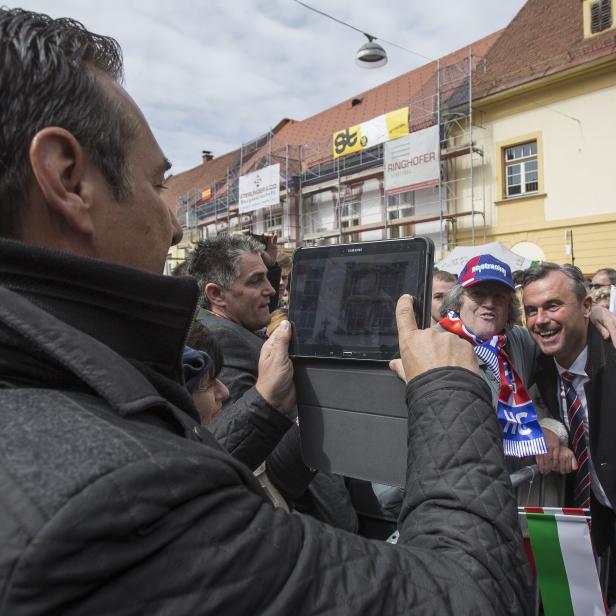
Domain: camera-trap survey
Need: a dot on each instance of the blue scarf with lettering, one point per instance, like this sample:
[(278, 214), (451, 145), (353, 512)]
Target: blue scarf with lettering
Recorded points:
[(522, 434)]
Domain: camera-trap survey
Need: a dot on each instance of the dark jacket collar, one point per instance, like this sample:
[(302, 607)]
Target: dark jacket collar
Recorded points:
[(142, 317)]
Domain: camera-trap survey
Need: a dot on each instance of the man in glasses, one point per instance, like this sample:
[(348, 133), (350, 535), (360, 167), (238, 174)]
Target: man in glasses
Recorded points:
[(603, 278)]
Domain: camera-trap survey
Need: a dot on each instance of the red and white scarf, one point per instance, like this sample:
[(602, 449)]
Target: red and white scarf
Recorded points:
[(522, 435)]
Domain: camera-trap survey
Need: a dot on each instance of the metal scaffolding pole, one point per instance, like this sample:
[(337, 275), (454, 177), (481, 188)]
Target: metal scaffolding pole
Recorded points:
[(440, 169), (470, 136), (300, 222), (228, 204)]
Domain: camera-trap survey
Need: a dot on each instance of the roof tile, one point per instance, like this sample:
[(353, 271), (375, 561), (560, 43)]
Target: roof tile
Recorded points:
[(544, 38)]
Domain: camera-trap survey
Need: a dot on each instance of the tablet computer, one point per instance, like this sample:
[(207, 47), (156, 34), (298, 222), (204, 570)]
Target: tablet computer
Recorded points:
[(343, 297), (352, 408)]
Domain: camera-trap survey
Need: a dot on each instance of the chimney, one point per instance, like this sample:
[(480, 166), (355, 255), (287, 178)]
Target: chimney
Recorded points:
[(206, 155)]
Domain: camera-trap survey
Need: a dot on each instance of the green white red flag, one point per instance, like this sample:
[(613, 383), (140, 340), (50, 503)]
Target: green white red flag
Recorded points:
[(565, 561)]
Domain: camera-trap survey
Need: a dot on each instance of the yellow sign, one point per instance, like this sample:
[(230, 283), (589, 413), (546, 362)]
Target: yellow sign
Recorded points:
[(367, 134), (206, 193), (397, 123), (347, 141)]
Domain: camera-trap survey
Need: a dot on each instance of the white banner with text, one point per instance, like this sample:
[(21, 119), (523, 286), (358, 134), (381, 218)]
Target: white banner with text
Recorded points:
[(259, 189), (412, 162)]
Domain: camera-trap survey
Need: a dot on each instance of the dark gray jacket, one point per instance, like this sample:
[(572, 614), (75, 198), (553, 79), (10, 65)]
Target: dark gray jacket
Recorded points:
[(114, 500), (241, 431), (600, 394), (249, 428)]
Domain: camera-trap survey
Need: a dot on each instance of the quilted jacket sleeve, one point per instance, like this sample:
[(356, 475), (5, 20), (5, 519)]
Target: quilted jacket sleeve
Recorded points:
[(248, 428), (189, 532)]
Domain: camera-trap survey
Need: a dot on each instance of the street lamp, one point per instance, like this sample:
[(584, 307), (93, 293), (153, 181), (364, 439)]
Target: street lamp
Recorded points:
[(370, 54)]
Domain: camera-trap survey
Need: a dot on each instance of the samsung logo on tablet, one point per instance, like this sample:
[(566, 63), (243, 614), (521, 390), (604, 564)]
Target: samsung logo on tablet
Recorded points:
[(355, 249)]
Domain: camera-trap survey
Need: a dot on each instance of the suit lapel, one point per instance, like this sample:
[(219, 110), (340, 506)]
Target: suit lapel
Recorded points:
[(548, 385)]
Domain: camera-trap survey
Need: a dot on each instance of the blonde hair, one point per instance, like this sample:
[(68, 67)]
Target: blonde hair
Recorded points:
[(278, 316)]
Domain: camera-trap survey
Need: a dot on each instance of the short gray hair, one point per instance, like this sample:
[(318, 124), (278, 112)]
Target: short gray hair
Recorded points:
[(570, 271), (217, 260), (455, 295)]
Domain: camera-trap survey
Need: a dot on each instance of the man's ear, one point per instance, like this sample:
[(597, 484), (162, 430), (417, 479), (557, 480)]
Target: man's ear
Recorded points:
[(587, 306), (59, 167), (214, 294)]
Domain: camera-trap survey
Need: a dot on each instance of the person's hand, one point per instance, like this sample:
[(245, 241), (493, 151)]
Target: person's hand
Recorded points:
[(270, 254), (566, 462), (604, 321), (422, 350), (275, 377), (549, 461)]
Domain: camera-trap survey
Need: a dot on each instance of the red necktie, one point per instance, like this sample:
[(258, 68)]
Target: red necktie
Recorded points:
[(577, 442)]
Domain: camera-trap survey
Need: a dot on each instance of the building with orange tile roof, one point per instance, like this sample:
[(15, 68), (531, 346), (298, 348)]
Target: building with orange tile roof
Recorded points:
[(525, 133)]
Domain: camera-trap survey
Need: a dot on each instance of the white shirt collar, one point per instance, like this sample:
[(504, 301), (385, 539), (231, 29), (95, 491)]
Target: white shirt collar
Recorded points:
[(578, 367)]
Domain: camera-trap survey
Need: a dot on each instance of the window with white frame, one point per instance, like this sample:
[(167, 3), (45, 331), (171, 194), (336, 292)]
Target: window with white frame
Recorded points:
[(350, 205), (310, 222), (521, 169), (349, 238), (318, 212), (273, 223), (401, 205), (349, 214)]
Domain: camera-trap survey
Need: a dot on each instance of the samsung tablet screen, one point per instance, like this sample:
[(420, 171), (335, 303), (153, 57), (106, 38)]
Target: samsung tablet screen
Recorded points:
[(343, 298)]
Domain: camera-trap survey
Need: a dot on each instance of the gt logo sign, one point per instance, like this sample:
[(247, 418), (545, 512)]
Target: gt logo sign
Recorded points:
[(347, 141)]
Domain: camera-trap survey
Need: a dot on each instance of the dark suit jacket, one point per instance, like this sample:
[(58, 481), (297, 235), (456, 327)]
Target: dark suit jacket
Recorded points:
[(601, 397), (242, 428), (249, 428)]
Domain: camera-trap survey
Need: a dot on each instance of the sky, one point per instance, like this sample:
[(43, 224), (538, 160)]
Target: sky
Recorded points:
[(213, 74)]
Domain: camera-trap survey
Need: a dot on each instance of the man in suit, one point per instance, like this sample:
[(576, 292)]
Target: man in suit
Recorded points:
[(577, 378), (236, 294), (114, 498)]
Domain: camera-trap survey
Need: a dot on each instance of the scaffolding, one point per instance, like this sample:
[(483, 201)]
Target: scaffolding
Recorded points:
[(331, 200), (444, 98), (207, 210)]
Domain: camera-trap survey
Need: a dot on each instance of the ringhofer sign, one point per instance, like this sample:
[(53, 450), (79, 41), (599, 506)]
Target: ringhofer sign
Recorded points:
[(259, 189), (412, 162)]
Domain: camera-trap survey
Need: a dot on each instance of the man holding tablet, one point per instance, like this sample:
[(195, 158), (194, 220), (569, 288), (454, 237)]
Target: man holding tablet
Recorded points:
[(114, 499)]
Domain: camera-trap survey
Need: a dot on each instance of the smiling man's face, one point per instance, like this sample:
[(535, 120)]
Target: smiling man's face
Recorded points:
[(485, 308), (556, 318)]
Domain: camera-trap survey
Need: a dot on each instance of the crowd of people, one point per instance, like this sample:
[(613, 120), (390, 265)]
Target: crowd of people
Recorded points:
[(149, 448)]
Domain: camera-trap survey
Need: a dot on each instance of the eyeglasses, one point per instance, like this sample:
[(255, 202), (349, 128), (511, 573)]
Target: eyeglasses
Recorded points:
[(597, 286)]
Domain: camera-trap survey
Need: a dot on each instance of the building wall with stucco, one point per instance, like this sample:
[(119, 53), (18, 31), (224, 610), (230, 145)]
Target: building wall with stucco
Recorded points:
[(572, 213)]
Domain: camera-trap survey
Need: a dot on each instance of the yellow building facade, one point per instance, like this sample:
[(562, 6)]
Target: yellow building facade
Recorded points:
[(548, 176)]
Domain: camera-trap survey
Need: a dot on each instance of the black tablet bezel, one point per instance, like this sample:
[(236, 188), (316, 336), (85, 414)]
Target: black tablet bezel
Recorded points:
[(421, 245)]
